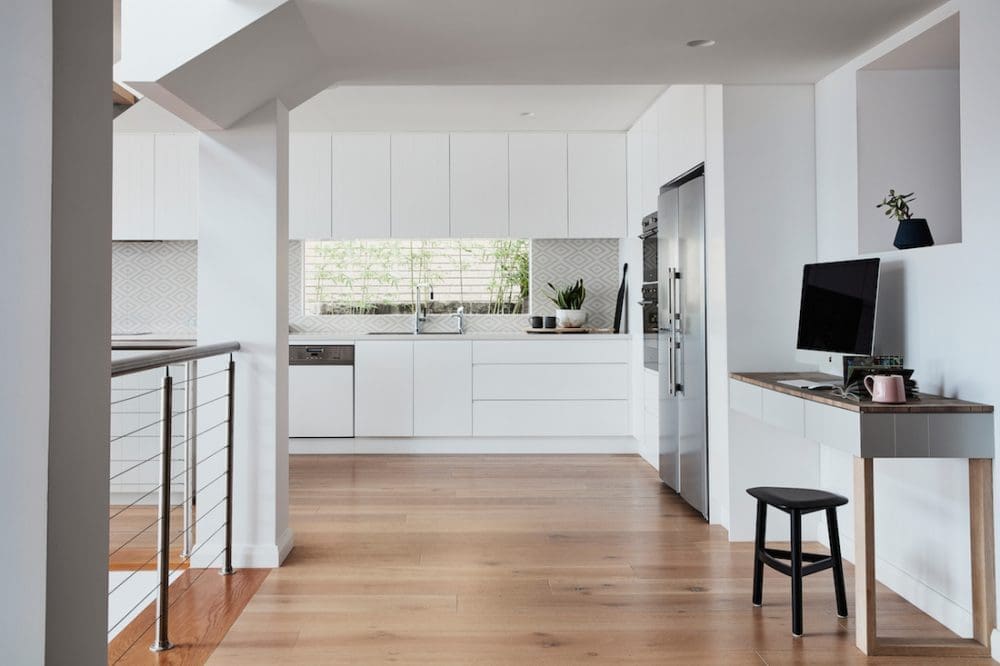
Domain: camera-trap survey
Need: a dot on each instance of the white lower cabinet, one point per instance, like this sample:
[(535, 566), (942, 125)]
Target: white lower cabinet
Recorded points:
[(383, 388), (442, 388), (550, 418)]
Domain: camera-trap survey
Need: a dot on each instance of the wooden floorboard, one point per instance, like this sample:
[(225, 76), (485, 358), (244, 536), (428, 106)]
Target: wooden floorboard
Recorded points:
[(525, 560), (203, 607)]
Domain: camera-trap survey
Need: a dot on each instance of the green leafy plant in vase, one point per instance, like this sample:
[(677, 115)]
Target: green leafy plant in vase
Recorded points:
[(569, 304), (912, 231)]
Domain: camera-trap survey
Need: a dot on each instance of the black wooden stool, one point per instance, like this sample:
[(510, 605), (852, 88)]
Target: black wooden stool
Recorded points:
[(797, 502)]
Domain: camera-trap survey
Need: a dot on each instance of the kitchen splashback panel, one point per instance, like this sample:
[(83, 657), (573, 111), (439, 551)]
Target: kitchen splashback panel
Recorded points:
[(154, 289)]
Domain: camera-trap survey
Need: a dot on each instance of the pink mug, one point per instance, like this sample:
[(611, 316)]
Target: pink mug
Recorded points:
[(886, 388)]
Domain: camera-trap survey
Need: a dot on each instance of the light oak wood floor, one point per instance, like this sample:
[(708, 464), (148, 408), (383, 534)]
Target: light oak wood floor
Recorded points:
[(524, 560)]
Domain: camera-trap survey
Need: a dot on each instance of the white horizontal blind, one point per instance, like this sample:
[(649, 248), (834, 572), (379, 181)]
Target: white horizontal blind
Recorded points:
[(381, 276)]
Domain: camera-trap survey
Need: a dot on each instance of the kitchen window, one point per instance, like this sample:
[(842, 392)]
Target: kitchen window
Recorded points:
[(381, 276)]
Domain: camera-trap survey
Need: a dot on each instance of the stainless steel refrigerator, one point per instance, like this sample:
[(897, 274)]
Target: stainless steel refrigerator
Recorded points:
[(683, 393)]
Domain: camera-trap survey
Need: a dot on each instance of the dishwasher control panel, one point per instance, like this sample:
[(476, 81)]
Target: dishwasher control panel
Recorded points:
[(321, 355)]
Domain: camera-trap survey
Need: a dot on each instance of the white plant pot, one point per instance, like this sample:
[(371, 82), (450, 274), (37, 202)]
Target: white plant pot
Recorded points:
[(570, 318)]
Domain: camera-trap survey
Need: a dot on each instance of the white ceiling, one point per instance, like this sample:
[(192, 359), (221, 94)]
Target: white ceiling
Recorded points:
[(474, 108), (438, 42)]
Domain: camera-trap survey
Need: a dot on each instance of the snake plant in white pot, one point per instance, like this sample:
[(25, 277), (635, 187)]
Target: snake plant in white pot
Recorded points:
[(569, 301)]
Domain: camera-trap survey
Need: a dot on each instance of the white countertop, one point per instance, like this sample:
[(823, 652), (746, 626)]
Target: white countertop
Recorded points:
[(344, 338), (165, 339)]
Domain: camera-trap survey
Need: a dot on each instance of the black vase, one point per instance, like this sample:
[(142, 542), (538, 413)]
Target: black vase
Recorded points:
[(913, 233)]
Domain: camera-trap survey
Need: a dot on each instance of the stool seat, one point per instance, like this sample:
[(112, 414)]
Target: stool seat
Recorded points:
[(798, 499)]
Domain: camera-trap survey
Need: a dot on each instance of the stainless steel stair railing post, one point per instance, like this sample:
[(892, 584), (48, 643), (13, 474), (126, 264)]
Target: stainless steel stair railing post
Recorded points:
[(227, 565), (161, 642), (190, 453)]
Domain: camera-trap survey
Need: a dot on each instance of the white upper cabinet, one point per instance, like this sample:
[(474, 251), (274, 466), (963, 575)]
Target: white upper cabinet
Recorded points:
[(309, 185), (681, 124), (361, 185), (597, 186), (176, 186), (650, 162), (133, 199), (419, 186), (538, 186), (479, 204), (633, 160)]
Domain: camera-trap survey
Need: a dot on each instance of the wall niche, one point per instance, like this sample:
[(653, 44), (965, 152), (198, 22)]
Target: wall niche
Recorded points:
[(909, 136)]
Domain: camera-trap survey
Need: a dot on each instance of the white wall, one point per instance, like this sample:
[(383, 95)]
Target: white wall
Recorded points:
[(243, 296), (25, 186), (908, 140), (947, 313), (770, 208)]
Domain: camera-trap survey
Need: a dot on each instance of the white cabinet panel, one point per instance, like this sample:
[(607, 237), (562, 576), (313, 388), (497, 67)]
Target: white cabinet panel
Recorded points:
[(313, 391), (651, 390), (550, 418), (596, 185), (745, 398), (442, 388), (538, 195), (383, 388), (784, 412), (479, 203), (133, 187), (176, 186), (650, 162), (551, 382), (309, 185), (419, 190), (681, 123), (550, 351), (633, 178), (649, 439), (361, 185)]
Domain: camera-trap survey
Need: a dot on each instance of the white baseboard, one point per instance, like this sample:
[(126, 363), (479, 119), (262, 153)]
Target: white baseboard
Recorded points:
[(995, 645), (941, 608), (245, 556), (464, 445)]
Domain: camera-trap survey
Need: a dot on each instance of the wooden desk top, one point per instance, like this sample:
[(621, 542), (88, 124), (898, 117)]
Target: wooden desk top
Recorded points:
[(927, 404)]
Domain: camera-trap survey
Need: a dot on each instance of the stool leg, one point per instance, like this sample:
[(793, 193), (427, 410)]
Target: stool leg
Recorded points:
[(758, 548), (838, 564), (796, 573)]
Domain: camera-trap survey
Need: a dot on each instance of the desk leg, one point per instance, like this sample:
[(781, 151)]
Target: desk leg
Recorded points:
[(864, 555), (983, 573)]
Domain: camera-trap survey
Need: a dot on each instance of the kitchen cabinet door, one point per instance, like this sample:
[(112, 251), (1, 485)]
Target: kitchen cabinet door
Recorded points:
[(176, 186), (538, 197), (597, 186), (650, 162), (132, 187), (383, 388), (310, 185), (633, 178), (681, 122), (419, 185), (361, 186), (442, 388), (479, 203)]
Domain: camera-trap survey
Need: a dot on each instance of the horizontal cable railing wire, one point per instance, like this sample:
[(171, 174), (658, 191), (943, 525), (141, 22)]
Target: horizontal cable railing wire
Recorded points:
[(173, 472)]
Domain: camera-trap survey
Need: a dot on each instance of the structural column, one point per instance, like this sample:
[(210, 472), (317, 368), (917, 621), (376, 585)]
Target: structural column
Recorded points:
[(243, 296), (55, 309)]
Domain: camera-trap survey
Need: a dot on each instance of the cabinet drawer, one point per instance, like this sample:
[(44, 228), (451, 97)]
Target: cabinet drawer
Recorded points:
[(550, 418), (745, 398), (549, 351), (550, 382), (784, 412)]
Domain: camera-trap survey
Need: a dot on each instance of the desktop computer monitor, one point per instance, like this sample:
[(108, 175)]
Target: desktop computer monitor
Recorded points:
[(837, 310)]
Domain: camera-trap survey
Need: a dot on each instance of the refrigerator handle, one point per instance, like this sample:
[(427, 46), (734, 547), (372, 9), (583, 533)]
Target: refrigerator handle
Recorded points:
[(671, 342)]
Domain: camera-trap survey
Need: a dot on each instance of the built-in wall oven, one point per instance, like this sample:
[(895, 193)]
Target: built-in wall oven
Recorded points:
[(650, 292)]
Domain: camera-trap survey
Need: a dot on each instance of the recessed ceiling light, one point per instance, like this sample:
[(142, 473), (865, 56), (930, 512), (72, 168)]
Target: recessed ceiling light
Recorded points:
[(527, 114), (700, 43)]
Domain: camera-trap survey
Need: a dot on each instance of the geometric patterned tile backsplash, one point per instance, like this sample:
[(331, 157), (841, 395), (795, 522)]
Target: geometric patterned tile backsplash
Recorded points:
[(154, 289)]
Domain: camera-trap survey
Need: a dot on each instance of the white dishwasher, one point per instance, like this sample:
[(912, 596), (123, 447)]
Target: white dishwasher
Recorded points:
[(321, 391)]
